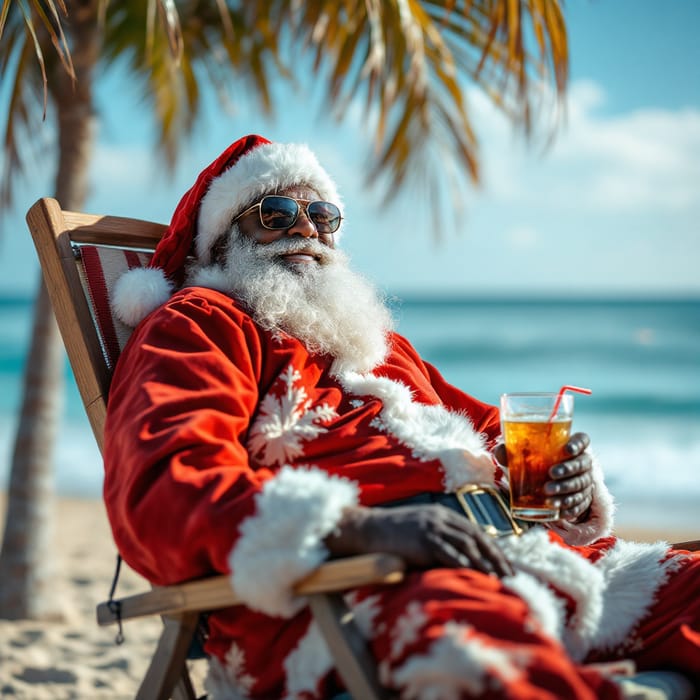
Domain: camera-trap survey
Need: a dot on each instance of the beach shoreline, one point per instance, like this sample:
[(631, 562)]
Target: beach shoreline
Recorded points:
[(75, 659)]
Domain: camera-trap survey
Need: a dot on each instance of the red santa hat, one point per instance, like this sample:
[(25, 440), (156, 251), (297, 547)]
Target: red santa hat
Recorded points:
[(248, 169)]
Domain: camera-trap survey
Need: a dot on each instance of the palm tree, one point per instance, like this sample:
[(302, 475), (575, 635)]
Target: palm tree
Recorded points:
[(409, 60)]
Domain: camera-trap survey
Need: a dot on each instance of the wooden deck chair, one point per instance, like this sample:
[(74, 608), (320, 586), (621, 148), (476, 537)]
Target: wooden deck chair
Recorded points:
[(81, 255)]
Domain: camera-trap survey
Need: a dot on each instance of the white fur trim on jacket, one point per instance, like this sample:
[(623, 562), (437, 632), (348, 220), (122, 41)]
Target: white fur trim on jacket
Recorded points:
[(282, 541), (633, 573), (432, 432), (568, 572), (138, 292), (611, 595), (268, 168), (228, 679), (307, 664), (456, 665)]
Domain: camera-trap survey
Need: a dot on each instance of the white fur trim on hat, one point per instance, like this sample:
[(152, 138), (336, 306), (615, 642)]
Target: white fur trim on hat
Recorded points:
[(138, 292), (268, 168)]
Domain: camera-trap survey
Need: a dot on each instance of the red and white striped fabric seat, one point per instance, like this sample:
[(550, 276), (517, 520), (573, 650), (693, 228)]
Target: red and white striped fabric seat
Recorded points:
[(101, 267)]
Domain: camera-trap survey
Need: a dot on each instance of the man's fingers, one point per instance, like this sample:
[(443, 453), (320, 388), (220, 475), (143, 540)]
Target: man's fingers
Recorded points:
[(443, 553), (481, 550), (575, 499), (578, 465), (577, 443), (458, 544), (469, 555), (459, 553), (432, 535), (494, 554), (576, 483), (574, 506), (499, 453)]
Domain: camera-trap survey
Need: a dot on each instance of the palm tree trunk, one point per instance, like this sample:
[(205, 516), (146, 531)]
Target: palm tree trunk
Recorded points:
[(26, 558)]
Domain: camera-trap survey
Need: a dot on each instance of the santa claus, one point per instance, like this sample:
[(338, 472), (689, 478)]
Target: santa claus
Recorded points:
[(264, 417)]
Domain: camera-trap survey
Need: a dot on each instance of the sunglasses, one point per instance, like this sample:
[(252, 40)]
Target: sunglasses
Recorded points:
[(279, 212)]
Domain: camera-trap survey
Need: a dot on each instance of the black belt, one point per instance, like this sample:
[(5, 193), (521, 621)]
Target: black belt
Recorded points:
[(483, 505)]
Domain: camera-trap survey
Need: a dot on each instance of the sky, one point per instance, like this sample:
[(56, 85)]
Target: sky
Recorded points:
[(611, 208)]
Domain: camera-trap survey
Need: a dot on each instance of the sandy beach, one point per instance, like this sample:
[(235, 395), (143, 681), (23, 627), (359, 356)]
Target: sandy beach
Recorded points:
[(74, 658)]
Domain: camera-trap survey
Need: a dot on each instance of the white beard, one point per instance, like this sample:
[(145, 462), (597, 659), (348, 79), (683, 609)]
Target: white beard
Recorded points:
[(328, 307)]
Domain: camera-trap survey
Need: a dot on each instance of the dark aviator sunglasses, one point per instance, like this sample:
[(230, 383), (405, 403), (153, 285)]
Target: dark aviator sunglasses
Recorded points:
[(279, 212)]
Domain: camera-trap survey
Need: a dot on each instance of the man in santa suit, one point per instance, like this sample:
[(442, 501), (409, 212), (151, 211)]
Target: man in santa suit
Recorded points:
[(264, 417)]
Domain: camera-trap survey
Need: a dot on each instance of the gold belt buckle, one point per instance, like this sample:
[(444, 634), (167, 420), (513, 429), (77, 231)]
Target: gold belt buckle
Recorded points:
[(485, 506)]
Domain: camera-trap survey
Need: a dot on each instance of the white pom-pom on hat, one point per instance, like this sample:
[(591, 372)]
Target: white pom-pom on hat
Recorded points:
[(138, 292)]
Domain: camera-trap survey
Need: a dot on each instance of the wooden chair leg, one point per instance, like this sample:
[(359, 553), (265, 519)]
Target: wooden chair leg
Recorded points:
[(168, 667), (353, 661), (184, 690)]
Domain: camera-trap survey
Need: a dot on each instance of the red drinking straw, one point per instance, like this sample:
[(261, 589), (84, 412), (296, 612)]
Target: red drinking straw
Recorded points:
[(566, 387)]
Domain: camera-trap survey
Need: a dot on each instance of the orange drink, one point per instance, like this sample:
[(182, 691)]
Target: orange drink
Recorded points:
[(534, 442)]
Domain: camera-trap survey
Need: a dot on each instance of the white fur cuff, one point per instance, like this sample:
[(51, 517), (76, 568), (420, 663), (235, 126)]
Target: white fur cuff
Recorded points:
[(282, 541)]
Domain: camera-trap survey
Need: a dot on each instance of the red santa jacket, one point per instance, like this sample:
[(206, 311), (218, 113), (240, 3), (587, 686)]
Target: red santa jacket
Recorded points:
[(206, 409), (228, 449)]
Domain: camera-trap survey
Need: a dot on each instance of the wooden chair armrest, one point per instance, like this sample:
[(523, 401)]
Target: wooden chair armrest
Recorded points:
[(690, 545), (217, 591)]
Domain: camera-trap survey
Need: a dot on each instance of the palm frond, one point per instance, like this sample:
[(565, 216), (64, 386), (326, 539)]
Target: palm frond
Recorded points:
[(52, 24), (4, 10), (40, 19), (39, 57), (170, 20), (413, 60), (23, 109), (409, 61)]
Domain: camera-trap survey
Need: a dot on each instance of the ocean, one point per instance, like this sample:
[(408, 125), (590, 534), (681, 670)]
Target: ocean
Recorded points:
[(640, 358)]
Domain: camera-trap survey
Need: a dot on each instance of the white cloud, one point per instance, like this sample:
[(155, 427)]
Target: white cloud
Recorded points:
[(522, 238), (616, 197), (642, 160)]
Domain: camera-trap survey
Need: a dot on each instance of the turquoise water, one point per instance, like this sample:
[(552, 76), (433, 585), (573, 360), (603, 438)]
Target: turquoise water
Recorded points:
[(640, 358)]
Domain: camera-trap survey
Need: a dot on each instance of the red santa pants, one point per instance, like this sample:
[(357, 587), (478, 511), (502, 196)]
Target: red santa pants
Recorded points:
[(453, 634)]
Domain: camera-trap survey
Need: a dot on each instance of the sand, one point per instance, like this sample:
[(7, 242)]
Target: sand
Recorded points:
[(75, 658)]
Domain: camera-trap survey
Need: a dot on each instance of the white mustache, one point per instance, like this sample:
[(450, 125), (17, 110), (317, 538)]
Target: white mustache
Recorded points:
[(295, 245)]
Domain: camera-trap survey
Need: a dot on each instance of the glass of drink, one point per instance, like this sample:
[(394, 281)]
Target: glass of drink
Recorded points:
[(535, 435)]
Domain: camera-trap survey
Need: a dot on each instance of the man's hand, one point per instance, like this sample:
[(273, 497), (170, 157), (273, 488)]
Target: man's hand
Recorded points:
[(425, 536), (571, 487)]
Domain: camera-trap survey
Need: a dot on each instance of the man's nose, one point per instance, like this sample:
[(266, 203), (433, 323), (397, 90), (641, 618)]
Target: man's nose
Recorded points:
[(303, 226)]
